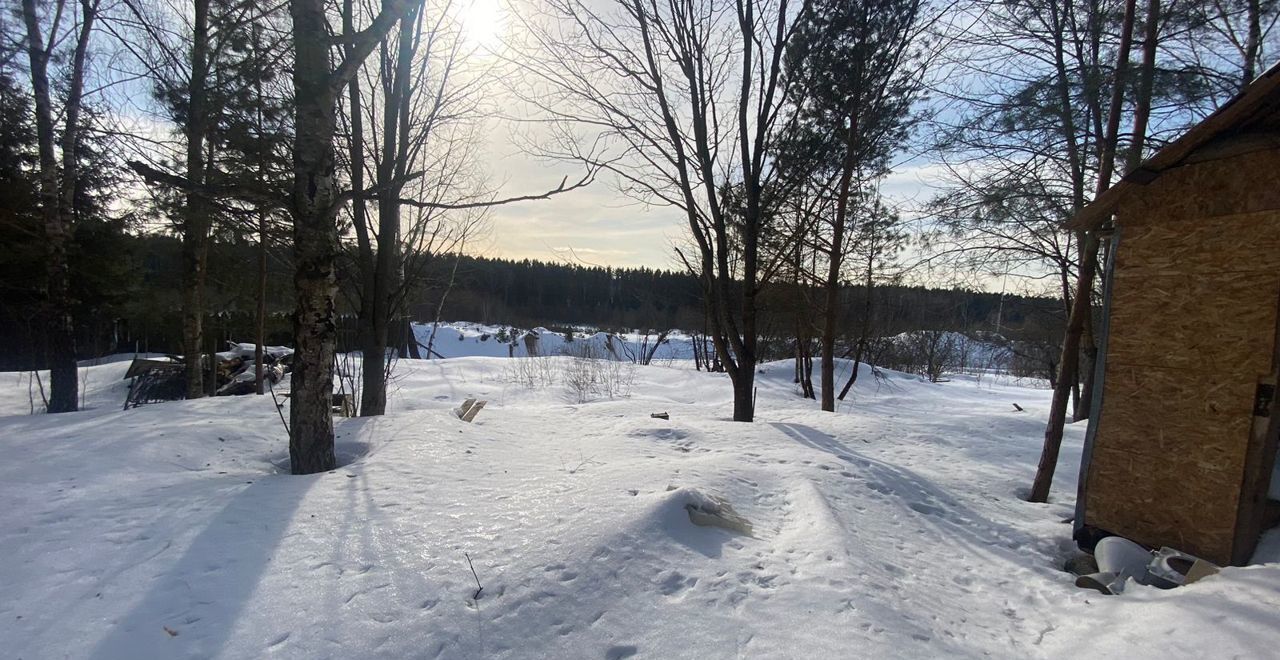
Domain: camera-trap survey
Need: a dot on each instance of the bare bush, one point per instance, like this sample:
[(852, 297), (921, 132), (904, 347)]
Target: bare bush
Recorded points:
[(930, 353), (531, 372), (589, 374)]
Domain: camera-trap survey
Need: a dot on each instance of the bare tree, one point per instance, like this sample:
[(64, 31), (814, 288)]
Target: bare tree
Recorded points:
[(314, 205), (1081, 310), (682, 101), (424, 98), (1230, 41)]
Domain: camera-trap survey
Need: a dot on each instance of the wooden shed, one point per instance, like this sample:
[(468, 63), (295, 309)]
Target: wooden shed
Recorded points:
[(1181, 448)]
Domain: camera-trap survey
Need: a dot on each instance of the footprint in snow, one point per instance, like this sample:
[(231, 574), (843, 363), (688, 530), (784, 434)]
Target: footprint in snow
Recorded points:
[(676, 582), (621, 651), (926, 509)]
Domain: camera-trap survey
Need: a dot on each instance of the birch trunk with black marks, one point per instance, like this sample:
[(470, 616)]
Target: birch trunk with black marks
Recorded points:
[(314, 205), (315, 238)]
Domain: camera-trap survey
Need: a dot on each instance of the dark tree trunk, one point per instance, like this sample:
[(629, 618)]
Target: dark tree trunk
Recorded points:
[(806, 372), (315, 237), (1066, 376), (1079, 319), (196, 212), (410, 339), (373, 351), (834, 263), (744, 402), (57, 201), (260, 323), (387, 269), (360, 222)]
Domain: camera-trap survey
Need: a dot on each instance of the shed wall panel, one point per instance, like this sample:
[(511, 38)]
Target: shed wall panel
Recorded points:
[(1202, 324), (1233, 186), (1192, 329), (1130, 495)]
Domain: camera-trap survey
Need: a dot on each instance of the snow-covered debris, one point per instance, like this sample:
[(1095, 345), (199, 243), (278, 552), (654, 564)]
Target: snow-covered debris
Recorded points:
[(713, 511), (247, 352)]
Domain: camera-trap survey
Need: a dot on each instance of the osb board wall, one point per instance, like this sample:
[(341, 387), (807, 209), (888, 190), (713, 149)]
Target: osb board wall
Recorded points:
[(1192, 328), (1231, 186)]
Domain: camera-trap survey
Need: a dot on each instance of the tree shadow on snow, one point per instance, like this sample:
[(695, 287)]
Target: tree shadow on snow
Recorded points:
[(956, 522), (192, 609)]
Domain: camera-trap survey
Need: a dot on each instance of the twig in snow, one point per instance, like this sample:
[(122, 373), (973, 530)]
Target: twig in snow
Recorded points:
[(44, 399), (279, 409), (585, 462), (476, 595)]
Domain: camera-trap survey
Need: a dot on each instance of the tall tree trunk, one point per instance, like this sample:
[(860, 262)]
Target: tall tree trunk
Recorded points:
[(58, 199), (1252, 42), (391, 168), (65, 337), (1106, 168), (1146, 85), (1066, 376), (314, 206), (196, 211), (315, 237), (834, 264), (1081, 313), (360, 220), (260, 322)]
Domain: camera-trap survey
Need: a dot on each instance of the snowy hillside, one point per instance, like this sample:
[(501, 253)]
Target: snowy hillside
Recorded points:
[(893, 528), (463, 339)]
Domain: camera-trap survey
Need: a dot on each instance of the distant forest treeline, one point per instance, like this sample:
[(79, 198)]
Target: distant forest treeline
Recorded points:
[(523, 293)]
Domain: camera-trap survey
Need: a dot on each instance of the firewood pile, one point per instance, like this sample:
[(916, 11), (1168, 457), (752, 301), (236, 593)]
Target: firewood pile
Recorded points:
[(164, 379)]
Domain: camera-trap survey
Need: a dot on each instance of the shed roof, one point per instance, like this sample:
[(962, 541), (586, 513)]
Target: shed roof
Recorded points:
[(1254, 111)]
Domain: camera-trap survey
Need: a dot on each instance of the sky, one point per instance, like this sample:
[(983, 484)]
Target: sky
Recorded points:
[(591, 226), (599, 225)]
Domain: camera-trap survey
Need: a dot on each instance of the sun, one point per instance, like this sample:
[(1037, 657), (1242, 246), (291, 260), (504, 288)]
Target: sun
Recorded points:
[(483, 22)]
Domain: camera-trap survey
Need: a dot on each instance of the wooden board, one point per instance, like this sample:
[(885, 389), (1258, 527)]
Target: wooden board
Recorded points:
[(1228, 187), (1161, 244), (1202, 324), (1192, 328)]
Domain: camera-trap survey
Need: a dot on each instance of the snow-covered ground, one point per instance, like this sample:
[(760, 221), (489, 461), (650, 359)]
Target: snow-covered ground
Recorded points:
[(893, 528), (464, 339)]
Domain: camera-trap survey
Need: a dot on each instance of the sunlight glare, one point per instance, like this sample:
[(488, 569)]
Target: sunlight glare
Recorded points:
[(482, 23)]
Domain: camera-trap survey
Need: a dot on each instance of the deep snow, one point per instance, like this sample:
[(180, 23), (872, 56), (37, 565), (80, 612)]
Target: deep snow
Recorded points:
[(891, 529)]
